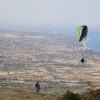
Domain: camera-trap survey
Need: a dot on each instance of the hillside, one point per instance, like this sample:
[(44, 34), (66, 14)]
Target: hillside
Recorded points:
[(26, 95)]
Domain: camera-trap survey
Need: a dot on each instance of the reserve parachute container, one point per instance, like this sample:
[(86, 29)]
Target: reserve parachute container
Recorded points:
[(81, 32)]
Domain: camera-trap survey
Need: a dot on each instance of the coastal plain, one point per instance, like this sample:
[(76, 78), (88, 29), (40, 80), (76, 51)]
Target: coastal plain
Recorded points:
[(51, 58)]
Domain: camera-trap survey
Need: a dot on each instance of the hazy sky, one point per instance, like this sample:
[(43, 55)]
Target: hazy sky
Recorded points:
[(50, 12)]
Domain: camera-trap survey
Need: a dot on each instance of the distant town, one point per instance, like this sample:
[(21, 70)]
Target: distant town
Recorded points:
[(53, 59)]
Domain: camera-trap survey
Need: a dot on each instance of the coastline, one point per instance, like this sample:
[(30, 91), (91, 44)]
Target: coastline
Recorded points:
[(89, 43), (85, 44)]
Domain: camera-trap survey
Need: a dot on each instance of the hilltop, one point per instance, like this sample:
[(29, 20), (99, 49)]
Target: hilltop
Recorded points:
[(26, 95)]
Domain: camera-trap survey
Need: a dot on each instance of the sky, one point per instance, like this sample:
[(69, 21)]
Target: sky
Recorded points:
[(53, 12)]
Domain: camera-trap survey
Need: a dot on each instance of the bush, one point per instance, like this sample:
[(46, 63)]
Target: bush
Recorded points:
[(71, 96)]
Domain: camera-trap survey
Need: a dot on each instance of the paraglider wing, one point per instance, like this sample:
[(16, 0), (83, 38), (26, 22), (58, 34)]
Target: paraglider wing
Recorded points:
[(78, 32), (81, 32), (85, 28)]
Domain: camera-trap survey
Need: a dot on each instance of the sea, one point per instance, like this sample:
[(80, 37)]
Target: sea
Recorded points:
[(92, 40)]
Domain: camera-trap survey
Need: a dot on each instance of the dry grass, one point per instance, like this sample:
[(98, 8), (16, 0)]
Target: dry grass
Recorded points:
[(39, 37), (9, 35), (26, 95)]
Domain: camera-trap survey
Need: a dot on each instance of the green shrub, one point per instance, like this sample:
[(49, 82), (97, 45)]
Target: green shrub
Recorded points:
[(71, 96)]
